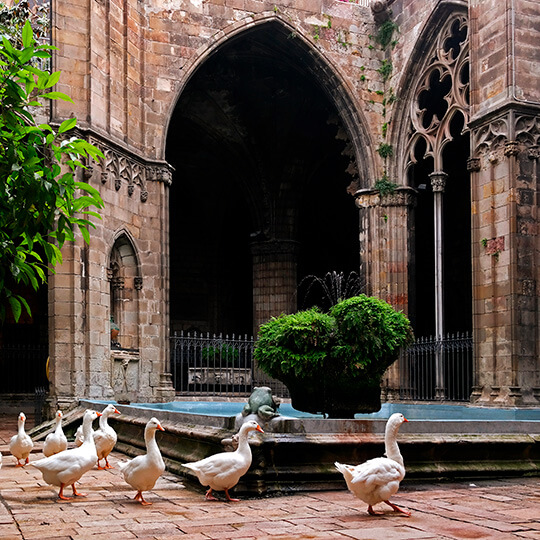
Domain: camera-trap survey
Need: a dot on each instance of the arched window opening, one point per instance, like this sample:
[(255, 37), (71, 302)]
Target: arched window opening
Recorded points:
[(124, 282)]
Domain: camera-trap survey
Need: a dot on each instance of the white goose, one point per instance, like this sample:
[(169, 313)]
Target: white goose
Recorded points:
[(21, 444), (67, 467), (222, 471), (142, 472), (378, 479), (105, 437), (56, 441)]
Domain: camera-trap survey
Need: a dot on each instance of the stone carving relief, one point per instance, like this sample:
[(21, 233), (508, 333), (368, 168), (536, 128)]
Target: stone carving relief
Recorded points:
[(494, 141), (441, 92), (123, 169)]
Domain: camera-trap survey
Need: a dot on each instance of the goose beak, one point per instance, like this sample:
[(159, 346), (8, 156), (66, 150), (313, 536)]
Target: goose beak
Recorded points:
[(259, 428), (160, 427), (116, 411), (404, 419), (99, 414)]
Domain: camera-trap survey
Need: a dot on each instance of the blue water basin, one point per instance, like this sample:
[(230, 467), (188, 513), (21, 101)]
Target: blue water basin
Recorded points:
[(412, 411)]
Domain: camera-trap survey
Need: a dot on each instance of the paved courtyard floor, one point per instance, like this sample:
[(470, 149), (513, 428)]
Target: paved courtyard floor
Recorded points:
[(30, 509)]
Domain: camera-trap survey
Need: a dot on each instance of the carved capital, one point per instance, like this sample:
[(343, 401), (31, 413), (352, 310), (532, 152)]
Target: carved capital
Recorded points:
[(369, 198), (511, 148), (117, 283), (473, 164), (533, 152), (438, 181)]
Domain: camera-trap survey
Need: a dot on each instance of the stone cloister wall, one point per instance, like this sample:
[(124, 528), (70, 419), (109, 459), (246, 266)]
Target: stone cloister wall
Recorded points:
[(126, 62)]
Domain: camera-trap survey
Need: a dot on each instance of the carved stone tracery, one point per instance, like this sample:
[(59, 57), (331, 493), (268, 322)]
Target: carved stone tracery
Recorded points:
[(441, 93)]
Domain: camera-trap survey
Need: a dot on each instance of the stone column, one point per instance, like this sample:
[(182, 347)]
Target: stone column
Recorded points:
[(386, 236)]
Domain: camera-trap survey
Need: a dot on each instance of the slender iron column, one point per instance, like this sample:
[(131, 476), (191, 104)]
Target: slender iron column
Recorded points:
[(438, 182)]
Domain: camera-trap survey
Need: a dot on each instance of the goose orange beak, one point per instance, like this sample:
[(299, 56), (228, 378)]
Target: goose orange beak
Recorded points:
[(404, 419), (259, 428), (99, 414), (160, 427), (116, 411)]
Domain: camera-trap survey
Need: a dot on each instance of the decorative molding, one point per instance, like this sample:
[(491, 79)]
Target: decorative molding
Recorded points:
[(370, 198), (511, 148), (438, 181), (123, 168), (491, 138), (473, 164), (533, 152), (138, 282), (117, 282)]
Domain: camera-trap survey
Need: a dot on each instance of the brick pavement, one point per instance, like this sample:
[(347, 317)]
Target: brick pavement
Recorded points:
[(29, 509)]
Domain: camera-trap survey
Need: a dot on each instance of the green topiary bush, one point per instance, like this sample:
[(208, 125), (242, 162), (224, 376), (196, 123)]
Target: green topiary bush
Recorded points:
[(295, 345), (369, 333), (333, 362)]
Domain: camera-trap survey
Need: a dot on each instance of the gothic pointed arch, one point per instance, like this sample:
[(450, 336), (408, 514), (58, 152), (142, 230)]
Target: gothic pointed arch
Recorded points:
[(360, 145), (125, 283), (268, 145), (433, 124)]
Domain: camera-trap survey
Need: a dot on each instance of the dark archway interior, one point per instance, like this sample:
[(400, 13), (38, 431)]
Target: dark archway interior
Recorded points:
[(258, 152), (24, 345), (457, 265), (422, 279), (457, 256)]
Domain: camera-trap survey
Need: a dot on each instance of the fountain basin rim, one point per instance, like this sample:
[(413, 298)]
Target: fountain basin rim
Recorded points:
[(314, 425)]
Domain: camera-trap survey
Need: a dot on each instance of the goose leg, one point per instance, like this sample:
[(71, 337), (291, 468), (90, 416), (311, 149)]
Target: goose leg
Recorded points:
[(77, 493), (209, 497), (372, 512), (99, 466), (107, 464), (229, 497), (61, 494), (139, 497), (19, 464), (397, 508)]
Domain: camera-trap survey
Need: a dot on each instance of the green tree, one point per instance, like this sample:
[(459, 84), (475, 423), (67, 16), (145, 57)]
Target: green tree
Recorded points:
[(42, 205)]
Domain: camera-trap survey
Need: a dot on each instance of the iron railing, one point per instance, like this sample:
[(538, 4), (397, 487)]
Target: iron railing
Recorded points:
[(212, 364), (215, 365), (437, 369)]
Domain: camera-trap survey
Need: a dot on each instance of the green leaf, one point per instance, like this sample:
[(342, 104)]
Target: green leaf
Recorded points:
[(66, 125), (53, 79), (27, 34), (57, 95), (15, 307)]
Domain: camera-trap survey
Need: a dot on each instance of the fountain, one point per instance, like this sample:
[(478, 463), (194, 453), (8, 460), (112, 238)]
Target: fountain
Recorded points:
[(298, 450)]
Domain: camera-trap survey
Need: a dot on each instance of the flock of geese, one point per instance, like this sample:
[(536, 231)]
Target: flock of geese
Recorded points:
[(373, 481)]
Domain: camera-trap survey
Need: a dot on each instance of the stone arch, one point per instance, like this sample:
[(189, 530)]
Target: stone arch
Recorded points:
[(432, 123), (267, 110), (361, 141), (125, 283)]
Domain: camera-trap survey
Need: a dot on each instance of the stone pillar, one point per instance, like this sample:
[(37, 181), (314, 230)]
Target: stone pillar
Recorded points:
[(505, 106), (386, 236), (274, 279)]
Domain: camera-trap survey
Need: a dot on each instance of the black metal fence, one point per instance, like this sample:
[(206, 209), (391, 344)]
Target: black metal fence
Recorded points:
[(431, 369), (437, 369), (212, 364)]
